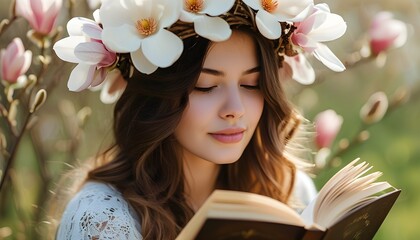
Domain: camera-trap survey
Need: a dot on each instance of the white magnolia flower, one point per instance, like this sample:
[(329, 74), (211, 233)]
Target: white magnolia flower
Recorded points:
[(302, 70), (210, 27), (138, 27), (271, 12), (84, 46), (320, 26)]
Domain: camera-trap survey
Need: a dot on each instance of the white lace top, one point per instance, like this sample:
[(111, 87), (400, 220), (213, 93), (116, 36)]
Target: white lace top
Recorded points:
[(99, 212)]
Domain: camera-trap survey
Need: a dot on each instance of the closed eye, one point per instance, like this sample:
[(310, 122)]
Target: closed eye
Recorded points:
[(251, 87), (204, 89)]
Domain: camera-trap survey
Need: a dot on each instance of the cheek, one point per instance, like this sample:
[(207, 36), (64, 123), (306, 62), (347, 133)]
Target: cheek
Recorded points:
[(199, 110), (196, 116), (255, 106)]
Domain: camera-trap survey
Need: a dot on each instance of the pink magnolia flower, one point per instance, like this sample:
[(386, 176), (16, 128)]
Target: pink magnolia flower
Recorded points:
[(327, 125), (41, 14), (14, 61), (386, 32), (84, 46), (302, 71), (320, 26)]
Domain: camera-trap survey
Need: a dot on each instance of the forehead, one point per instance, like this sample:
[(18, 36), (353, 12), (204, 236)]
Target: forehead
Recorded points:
[(239, 49)]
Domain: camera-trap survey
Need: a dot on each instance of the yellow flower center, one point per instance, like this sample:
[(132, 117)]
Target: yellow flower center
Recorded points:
[(269, 5), (194, 6), (146, 26)]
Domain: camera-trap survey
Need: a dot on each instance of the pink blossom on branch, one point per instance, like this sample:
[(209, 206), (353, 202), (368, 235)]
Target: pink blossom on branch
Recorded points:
[(41, 14), (14, 61), (327, 125), (386, 32)]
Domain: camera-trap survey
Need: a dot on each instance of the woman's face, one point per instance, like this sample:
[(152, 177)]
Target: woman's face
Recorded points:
[(226, 104)]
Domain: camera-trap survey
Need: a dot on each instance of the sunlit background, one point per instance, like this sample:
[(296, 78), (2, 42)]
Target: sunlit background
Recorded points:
[(71, 127)]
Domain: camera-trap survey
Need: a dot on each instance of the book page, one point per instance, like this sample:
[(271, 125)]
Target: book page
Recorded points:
[(346, 190), (255, 203)]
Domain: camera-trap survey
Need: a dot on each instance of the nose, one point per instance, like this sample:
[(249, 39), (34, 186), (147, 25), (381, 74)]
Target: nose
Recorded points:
[(233, 106)]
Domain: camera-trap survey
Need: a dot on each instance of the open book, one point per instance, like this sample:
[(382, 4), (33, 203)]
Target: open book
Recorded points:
[(351, 205)]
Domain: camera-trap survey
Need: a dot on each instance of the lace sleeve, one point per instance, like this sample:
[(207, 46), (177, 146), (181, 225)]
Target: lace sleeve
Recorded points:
[(304, 191), (98, 212)]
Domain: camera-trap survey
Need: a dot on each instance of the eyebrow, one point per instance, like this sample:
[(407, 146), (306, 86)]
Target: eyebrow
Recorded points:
[(220, 73)]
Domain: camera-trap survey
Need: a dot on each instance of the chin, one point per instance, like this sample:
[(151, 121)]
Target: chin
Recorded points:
[(225, 160)]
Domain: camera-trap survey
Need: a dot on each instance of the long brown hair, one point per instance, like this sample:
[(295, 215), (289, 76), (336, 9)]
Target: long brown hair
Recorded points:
[(145, 164)]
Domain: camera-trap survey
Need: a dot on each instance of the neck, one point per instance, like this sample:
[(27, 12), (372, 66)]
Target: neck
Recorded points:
[(200, 180)]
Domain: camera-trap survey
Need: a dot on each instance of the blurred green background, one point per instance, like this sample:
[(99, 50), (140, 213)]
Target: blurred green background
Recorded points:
[(72, 127)]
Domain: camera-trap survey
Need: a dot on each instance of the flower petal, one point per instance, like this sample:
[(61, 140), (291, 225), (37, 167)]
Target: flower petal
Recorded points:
[(81, 77), (115, 13), (49, 15), (308, 44), (293, 10), (213, 28), (188, 16), (268, 25), (13, 50), (28, 60), (163, 48), (91, 53), (98, 77), (331, 28), (304, 14), (64, 48), (92, 31), (254, 4), (141, 63), (302, 69), (22, 9), (113, 87), (121, 39), (216, 8), (75, 25), (14, 69), (323, 7), (171, 12), (96, 16), (327, 57)]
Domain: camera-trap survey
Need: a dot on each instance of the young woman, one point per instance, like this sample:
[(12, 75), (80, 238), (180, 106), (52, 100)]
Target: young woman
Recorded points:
[(217, 117)]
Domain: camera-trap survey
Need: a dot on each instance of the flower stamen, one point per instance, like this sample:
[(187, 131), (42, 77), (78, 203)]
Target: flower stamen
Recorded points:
[(269, 5), (194, 6), (146, 26)]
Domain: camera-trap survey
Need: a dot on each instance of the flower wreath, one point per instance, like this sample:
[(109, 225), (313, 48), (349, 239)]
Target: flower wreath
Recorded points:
[(150, 32)]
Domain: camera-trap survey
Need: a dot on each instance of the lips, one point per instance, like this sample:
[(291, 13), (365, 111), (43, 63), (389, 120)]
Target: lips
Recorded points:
[(231, 135)]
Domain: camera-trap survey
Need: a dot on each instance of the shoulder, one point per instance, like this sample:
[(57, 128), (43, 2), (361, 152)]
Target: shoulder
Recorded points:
[(98, 211), (304, 189)]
